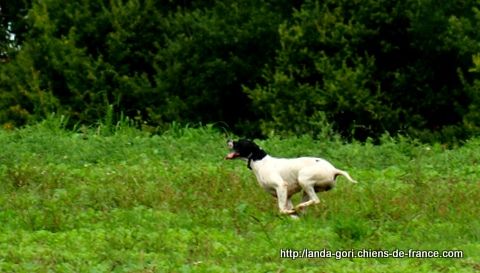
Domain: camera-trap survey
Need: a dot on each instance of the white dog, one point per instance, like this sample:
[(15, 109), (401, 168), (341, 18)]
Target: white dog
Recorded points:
[(284, 177)]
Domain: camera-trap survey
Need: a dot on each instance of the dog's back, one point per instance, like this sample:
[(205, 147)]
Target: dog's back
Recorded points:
[(311, 168)]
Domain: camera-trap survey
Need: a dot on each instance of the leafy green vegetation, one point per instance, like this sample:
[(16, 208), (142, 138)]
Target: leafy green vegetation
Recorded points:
[(362, 68), (114, 199)]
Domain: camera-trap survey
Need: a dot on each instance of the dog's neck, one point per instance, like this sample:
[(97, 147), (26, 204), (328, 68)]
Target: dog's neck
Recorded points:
[(256, 165), (254, 156)]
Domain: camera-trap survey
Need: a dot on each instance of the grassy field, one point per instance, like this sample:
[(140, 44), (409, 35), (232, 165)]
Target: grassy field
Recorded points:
[(119, 200)]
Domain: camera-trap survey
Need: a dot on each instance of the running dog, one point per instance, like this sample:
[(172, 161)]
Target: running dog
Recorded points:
[(283, 177)]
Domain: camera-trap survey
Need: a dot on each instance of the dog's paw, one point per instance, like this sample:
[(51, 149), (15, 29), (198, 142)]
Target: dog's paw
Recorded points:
[(300, 208), (288, 211)]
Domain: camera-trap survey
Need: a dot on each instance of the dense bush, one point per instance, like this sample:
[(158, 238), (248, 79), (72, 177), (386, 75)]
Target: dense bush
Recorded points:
[(262, 67), (151, 61), (397, 66)]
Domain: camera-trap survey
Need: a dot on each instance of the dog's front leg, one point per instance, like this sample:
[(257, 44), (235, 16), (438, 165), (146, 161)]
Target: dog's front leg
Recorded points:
[(283, 202)]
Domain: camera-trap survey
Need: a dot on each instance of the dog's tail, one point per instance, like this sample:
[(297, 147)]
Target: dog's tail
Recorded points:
[(344, 173)]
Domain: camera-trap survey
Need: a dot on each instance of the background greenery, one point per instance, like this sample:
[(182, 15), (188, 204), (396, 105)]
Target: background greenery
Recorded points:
[(92, 189), (261, 67), (114, 199)]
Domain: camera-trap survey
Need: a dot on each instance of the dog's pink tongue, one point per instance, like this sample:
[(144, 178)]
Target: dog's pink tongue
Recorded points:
[(231, 155)]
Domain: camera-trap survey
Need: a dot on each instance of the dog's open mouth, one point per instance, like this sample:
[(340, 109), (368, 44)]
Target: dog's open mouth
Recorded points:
[(232, 155)]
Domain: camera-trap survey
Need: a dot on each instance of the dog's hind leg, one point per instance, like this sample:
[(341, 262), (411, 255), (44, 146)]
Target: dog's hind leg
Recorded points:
[(305, 198), (309, 197), (289, 203)]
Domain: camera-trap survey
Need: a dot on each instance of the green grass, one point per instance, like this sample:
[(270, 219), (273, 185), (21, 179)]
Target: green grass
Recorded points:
[(120, 200)]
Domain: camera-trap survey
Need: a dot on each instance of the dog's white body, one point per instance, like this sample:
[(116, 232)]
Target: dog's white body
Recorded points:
[(284, 177)]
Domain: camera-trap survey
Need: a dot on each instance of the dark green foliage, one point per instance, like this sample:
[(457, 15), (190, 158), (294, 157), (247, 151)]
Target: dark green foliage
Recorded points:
[(151, 61), (358, 68), (372, 67), (12, 26)]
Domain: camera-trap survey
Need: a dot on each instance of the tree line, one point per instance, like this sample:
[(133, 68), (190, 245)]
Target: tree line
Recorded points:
[(354, 68)]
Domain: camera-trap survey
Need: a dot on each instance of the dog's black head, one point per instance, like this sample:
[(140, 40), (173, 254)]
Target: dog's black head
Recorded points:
[(245, 149)]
